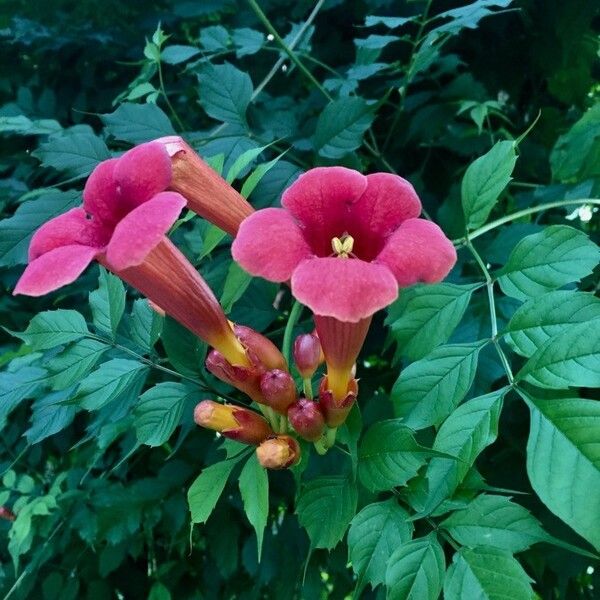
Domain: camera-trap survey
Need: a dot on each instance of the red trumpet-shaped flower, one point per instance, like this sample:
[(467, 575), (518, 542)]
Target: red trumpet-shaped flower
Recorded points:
[(122, 224), (208, 194), (347, 242)]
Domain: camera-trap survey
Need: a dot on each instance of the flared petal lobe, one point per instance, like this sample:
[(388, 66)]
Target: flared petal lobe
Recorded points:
[(142, 172), (321, 200), (270, 244), (142, 229), (388, 201), (100, 194), (54, 269), (70, 228), (347, 289), (418, 251)]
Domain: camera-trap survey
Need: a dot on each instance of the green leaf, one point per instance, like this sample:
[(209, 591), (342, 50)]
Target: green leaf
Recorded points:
[(75, 362), (159, 410), (563, 460), (236, 283), (52, 328), (256, 176), (547, 260), (184, 350), (136, 123), (176, 54), (145, 324), (484, 181), (468, 17), (575, 154), (254, 487), (16, 232), (325, 507), (108, 303), (214, 38), (389, 22), (426, 315), (225, 92), (470, 429), (429, 389), (207, 488), (27, 382), (341, 126), (243, 161), (22, 125), (415, 570), (247, 41), (389, 456), (541, 318), (571, 358), (75, 153), (109, 381), (495, 521), (375, 532), (50, 416), (486, 574)]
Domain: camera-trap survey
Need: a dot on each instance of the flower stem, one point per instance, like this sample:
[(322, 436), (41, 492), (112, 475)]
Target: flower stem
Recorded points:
[(307, 388), (289, 330), (522, 213), (292, 56)]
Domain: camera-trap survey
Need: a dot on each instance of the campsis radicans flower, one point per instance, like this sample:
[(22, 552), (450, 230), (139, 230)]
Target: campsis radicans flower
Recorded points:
[(280, 452), (234, 422), (207, 193), (346, 242), (122, 224)]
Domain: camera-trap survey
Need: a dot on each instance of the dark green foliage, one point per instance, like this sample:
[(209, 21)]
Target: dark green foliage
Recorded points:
[(472, 466)]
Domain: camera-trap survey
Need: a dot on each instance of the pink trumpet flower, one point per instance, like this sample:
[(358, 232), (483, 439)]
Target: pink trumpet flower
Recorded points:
[(208, 194), (122, 224), (347, 242)]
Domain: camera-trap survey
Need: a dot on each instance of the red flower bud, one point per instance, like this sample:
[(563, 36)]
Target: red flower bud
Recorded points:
[(278, 452), (261, 350), (307, 419), (234, 422), (308, 354), (245, 379), (278, 390), (7, 514), (336, 412)]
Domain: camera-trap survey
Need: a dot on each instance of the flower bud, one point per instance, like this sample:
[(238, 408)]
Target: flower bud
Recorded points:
[(307, 354), (245, 379), (261, 350), (336, 412), (234, 422), (278, 452), (278, 390), (307, 419), (7, 514)]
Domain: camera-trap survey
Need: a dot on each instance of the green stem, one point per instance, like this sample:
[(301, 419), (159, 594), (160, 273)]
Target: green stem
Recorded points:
[(289, 330), (292, 56), (164, 94), (522, 213), (307, 388), (489, 282)]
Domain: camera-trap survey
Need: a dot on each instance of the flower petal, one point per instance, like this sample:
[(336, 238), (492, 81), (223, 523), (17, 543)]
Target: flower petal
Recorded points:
[(142, 229), (387, 202), (54, 269), (347, 289), (100, 195), (67, 229), (418, 251), (321, 200), (270, 244), (143, 172)]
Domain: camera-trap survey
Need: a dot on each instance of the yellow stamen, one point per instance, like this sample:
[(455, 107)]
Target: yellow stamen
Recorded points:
[(342, 247)]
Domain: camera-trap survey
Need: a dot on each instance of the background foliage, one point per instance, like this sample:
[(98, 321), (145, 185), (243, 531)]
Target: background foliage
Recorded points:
[(473, 464)]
